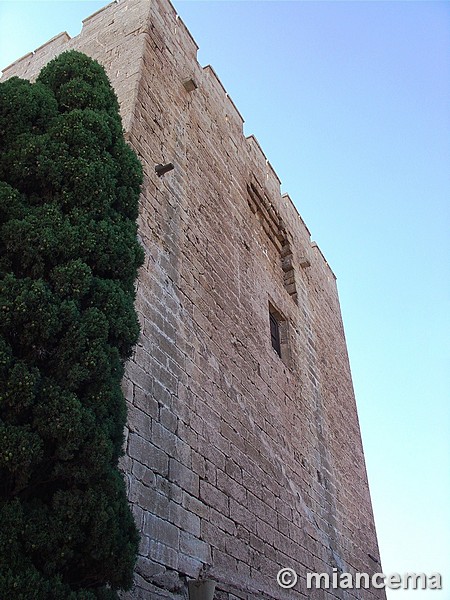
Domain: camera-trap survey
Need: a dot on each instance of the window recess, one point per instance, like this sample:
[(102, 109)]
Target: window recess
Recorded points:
[(279, 333)]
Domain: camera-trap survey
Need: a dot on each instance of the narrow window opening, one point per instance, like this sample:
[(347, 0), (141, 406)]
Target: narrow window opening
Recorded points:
[(275, 334), (279, 334)]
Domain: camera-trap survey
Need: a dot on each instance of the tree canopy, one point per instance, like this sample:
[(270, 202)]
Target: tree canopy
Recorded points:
[(69, 189)]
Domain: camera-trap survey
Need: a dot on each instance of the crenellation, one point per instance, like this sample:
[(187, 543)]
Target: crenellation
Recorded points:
[(224, 113), (257, 159), (187, 41), (315, 246), (55, 43), (273, 182), (92, 19), (37, 58), (15, 68), (240, 119)]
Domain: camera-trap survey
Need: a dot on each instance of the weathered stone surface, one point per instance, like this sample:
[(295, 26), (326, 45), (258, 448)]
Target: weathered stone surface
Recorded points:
[(238, 461)]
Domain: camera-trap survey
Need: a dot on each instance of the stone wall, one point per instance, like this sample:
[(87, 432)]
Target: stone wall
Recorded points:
[(238, 461)]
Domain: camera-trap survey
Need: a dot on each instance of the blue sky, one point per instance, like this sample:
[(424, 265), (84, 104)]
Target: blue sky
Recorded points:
[(350, 102)]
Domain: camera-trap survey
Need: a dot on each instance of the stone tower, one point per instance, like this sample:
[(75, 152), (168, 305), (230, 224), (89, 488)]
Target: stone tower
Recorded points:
[(243, 450)]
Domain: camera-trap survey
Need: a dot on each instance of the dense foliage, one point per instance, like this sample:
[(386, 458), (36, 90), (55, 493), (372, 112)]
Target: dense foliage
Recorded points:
[(69, 188)]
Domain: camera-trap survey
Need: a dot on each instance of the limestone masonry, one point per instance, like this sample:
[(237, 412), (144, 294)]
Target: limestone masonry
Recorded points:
[(243, 449)]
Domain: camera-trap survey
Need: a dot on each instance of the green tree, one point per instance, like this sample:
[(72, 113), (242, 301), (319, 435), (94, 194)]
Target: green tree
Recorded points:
[(69, 189)]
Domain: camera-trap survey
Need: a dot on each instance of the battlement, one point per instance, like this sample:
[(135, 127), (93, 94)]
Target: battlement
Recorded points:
[(39, 56), (230, 111), (90, 20), (98, 27)]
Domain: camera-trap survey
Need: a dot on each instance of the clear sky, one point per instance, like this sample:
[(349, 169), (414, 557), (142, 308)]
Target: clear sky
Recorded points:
[(350, 102)]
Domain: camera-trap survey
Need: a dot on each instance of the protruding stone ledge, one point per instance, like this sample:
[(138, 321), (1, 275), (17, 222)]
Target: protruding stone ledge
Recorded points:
[(231, 112), (315, 246)]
